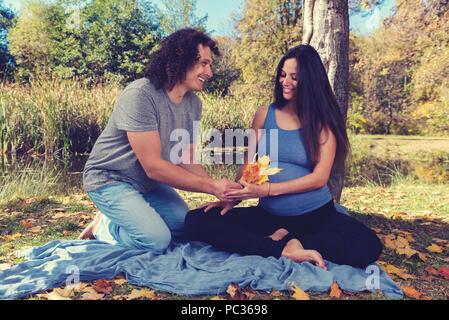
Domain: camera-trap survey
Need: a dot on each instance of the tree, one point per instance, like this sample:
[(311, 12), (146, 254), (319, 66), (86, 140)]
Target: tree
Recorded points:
[(403, 70), (224, 70), (119, 37), (30, 40), (6, 19), (180, 14), (326, 28), (266, 30), (97, 39)]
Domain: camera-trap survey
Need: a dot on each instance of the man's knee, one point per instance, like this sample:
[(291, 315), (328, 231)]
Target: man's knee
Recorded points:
[(157, 241)]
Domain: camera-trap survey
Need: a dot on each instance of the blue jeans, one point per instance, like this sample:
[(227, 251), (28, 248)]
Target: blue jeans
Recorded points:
[(142, 221)]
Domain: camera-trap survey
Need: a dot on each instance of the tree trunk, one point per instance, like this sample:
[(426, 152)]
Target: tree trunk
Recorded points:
[(326, 28)]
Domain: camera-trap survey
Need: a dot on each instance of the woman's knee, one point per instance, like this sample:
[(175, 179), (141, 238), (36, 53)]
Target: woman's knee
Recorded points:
[(193, 223), (367, 252)]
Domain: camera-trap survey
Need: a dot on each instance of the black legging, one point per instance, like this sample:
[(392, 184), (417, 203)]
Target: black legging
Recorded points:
[(337, 237)]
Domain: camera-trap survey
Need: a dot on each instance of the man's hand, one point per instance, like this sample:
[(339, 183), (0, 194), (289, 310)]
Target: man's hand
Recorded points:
[(226, 205), (221, 187), (249, 191)]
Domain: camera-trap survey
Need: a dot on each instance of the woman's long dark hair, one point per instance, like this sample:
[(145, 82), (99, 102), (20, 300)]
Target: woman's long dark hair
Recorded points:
[(317, 107)]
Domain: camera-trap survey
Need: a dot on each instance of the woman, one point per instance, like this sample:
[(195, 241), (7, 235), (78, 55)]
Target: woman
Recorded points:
[(296, 217)]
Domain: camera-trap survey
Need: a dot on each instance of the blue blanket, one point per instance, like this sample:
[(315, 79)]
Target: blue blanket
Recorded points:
[(187, 268)]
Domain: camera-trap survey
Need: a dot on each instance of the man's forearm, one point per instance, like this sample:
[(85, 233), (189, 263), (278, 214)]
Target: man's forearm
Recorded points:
[(181, 178), (196, 169)]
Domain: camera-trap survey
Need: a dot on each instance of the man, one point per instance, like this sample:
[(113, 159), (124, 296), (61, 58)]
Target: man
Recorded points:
[(130, 175)]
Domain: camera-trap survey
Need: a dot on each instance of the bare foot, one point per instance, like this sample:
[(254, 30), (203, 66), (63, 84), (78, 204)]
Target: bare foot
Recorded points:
[(279, 234), (88, 233), (295, 251)]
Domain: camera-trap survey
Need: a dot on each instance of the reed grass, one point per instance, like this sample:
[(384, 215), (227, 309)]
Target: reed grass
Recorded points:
[(53, 117), (58, 118)]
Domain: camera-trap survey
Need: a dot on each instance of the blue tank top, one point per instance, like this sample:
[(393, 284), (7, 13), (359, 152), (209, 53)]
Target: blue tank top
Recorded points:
[(293, 160)]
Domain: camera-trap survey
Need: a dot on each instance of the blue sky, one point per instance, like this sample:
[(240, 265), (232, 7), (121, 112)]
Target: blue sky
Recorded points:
[(219, 11)]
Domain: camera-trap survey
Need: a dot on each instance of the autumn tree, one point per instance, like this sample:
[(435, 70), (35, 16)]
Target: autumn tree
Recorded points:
[(30, 39), (265, 30), (404, 68)]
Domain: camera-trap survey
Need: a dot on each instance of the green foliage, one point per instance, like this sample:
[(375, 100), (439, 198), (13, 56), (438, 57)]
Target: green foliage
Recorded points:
[(101, 40), (53, 117), (180, 14), (6, 19), (224, 70), (266, 30)]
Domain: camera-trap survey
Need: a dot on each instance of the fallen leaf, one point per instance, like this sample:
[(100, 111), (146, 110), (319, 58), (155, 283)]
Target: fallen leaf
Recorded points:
[(249, 294), (141, 293), (392, 270), (275, 293), (104, 286), (56, 295), (119, 282), (401, 246), (430, 270), (298, 293), (26, 223), (92, 296), (66, 233), (411, 292), (234, 291), (444, 272), (35, 229), (434, 248), (335, 291)]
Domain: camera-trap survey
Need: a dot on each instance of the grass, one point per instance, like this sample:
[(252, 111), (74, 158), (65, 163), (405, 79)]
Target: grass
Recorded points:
[(36, 208)]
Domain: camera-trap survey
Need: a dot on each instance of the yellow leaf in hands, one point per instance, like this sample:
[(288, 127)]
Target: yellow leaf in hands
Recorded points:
[(258, 172)]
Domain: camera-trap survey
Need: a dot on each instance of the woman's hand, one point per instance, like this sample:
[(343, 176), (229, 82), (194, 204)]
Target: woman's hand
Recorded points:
[(226, 205), (249, 191)]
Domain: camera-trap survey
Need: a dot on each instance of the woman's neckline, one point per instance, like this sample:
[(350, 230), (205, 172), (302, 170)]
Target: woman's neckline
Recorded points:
[(277, 125)]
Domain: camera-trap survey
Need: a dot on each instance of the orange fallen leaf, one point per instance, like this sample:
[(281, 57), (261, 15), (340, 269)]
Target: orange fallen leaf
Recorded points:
[(335, 291), (411, 292), (26, 223), (298, 293), (104, 286)]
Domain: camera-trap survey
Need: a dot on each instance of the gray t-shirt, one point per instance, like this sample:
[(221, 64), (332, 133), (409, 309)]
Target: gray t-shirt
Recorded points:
[(139, 108)]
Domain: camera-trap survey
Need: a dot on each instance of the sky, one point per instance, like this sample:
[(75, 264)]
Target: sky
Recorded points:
[(219, 11)]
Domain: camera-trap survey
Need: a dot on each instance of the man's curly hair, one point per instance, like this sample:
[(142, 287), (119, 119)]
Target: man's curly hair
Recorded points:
[(177, 53)]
